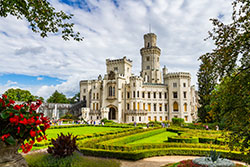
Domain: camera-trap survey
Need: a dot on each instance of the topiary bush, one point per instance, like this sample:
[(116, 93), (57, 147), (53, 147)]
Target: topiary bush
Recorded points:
[(63, 146), (178, 121)]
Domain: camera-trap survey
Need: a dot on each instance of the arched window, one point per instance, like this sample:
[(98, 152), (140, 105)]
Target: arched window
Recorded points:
[(185, 107), (110, 91), (175, 106)]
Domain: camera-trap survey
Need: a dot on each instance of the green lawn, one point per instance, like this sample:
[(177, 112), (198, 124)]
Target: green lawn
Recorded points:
[(159, 138), (52, 133)]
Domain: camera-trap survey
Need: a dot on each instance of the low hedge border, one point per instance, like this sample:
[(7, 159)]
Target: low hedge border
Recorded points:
[(183, 140), (136, 155), (83, 125)]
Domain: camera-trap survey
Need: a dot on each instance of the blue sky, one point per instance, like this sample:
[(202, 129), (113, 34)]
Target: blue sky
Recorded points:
[(111, 29)]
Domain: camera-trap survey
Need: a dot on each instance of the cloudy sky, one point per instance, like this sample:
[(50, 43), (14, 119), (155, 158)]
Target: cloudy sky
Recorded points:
[(111, 29)]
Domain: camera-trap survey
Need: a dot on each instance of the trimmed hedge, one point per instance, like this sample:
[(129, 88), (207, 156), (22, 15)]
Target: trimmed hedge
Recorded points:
[(183, 140), (83, 125), (136, 155)]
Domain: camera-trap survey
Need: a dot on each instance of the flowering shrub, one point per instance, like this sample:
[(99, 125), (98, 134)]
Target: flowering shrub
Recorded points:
[(21, 123), (189, 163)]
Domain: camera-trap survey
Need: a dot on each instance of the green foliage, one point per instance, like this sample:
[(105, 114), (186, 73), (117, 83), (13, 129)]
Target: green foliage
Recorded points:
[(63, 146), (214, 156), (183, 140), (57, 97), (69, 116), (46, 160), (106, 121), (41, 16), (21, 95), (74, 99), (178, 121)]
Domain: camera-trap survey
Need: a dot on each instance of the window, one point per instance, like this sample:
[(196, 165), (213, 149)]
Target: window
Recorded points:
[(110, 90), (175, 95), (97, 106), (175, 106), (158, 59), (138, 106), (166, 118), (149, 95), (166, 107), (115, 68), (144, 106), (185, 107), (148, 44), (134, 106), (113, 91), (143, 94), (97, 117), (149, 118), (154, 95), (97, 95), (186, 118), (84, 98), (148, 58), (160, 118), (128, 95), (133, 119), (155, 118), (160, 95), (149, 107), (127, 106), (155, 107), (134, 84), (94, 86), (174, 84), (138, 94), (139, 118), (93, 106), (148, 67), (133, 94), (93, 95), (165, 94), (84, 90), (185, 95), (184, 85), (160, 107)]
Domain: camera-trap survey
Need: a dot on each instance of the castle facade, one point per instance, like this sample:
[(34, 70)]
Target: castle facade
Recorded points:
[(153, 96)]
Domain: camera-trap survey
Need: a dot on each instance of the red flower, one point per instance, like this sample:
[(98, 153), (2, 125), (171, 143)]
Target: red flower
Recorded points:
[(38, 122), (14, 120), (32, 133), (24, 121), (18, 129), (27, 147), (4, 96), (39, 139), (32, 142), (31, 120), (5, 136), (21, 115), (11, 101), (17, 107)]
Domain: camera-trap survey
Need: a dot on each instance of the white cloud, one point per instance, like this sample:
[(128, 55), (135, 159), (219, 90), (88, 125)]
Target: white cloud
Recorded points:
[(110, 32)]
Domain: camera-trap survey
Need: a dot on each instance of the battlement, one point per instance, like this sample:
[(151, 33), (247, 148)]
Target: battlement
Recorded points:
[(118, 61), (178, 75)]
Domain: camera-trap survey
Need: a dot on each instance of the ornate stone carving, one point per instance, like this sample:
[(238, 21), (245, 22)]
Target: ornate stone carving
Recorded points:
[(9, 156)]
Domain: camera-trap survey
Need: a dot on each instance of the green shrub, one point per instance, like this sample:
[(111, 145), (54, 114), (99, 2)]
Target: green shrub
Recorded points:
[(183, 140), (178, 121), (46, 160)]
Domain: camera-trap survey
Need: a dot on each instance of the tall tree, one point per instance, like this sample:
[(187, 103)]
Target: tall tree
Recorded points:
[(57, 97), (41, 16), (74, 99), (21, 95), (230, 100)]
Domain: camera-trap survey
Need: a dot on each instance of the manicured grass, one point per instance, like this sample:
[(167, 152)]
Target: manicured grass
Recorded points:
[(77, 160), (52, 133), (159, 138)]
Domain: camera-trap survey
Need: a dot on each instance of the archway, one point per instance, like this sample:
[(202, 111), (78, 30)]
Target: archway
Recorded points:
[(112, 113)]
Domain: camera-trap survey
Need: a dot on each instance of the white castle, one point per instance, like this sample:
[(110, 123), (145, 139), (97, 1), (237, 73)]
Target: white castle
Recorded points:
[(122, 97)]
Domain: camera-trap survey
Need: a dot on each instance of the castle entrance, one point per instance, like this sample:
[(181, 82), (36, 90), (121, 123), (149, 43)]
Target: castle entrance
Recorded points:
[(112, 113)]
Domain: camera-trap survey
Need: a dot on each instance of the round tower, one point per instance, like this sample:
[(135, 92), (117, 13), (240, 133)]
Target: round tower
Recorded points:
[(150, 54)]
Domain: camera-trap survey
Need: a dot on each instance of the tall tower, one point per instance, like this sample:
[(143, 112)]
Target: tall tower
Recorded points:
[(150, 56)]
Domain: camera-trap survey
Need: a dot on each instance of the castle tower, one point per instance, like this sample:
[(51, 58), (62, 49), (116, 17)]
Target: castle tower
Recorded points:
[(150, 54)]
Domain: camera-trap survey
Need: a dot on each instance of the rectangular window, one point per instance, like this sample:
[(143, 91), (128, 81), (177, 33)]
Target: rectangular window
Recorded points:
[(144, 106), (115, 68), (185, 95), (186, 118), (93, 106), (165, 94), (84, 90), (128, 95), (133, 119), (143, 94), (154, 106), (166, 118), (148, 67), (127, 106), (134, 106), (149, 95), (97, 95), (93, 95), (149, 107), (133, 94), (184, 85), (154, 95), (160, 118), (149, 118), (166, 107), (175, 85), (96, 106), (175, 95), (155, 118), (138, 94), (160, 107), (138, 106), (160, 95), (139, 118)]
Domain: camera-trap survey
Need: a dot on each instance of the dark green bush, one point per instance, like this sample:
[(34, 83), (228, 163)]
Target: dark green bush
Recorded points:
[(178, 121), (183, 140)]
